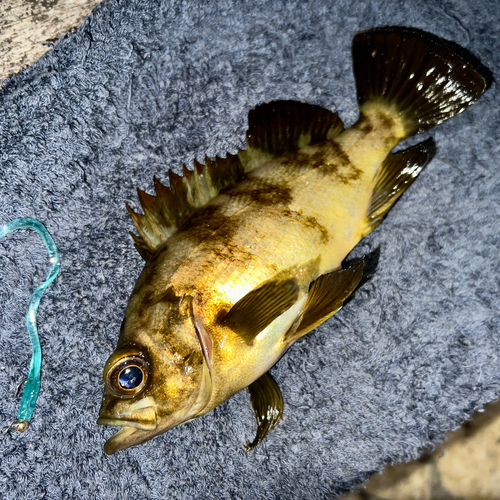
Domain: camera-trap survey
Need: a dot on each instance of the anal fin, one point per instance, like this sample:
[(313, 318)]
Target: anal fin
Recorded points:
[(326, 296), (267, 402), (394, 176)]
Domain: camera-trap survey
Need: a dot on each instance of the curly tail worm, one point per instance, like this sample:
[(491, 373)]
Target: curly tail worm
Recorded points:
[(32, 387)]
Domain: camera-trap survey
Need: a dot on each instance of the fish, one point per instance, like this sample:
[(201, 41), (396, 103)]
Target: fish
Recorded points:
[(245, 255)]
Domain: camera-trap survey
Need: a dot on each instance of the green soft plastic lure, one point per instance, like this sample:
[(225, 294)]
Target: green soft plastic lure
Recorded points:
[(32, 387)]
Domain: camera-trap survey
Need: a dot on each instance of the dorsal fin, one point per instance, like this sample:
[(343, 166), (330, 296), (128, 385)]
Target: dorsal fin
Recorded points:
[(283, 126), (394, 176), (173, 205), (274, 128)]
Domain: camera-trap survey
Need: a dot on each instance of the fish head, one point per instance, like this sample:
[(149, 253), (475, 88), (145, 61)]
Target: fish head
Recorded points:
[(157, 377)]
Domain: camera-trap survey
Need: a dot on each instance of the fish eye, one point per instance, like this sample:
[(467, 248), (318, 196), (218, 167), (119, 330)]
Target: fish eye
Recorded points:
[(127, 377), (130, 377)]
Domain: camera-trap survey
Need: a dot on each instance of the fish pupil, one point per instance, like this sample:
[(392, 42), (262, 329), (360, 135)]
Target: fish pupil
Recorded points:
[(130, 377)]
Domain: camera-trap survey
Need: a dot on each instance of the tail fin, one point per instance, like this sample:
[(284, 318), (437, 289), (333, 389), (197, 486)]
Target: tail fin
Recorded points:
[(415, 74)]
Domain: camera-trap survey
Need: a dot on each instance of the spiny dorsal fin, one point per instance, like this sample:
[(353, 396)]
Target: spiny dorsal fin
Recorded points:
[(274, 128), (173, 205), (326, 296), (283, 126), (267, 402), (259, 308), (394, 176)]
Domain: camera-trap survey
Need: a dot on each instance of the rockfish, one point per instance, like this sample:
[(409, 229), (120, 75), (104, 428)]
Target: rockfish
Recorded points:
[(244, 254)]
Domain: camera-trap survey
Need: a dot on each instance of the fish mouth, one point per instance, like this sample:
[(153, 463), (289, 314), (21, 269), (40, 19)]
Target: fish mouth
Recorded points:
[(136, 427), (126, 437)]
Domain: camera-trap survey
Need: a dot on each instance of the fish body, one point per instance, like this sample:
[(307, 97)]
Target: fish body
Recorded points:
[(296, 216), (244, 254)]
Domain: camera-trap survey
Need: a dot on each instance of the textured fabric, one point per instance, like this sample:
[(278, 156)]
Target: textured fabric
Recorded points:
[(147, 85)]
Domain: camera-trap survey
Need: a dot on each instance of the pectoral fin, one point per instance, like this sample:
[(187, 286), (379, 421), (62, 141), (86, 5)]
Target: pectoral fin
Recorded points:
[(326, 296), (259, 308), (267, 402)]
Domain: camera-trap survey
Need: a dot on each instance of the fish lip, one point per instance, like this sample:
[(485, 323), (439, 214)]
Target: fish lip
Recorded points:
[(118, 441), (115, 422), (149, 424)]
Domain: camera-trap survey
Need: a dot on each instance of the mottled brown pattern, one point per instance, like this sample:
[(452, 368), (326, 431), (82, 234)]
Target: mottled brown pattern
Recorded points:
[(271, 194), (297, 159), (385, 121), (169, 297), (341, 160), (301, 161), (364, 124), (337, 153), (213, 231), (153, 294), (148, 298), (308, 222), (354, 175), (224, 248), (380, 121), (389, 141), (262, 193), (312, 222), (204, 222), (318, 159), (330, 157)]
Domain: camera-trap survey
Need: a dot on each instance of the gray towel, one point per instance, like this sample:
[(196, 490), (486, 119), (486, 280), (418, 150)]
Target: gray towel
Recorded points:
[(146, 85)]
